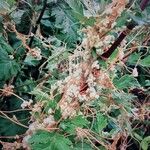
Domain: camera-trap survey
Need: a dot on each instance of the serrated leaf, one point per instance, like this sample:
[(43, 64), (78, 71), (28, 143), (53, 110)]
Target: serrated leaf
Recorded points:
[(76, 6), (101, 122), (70, 125), (125, 82), (137, 136), (145, 62), (79, 121), (12, 68), (43, 140), (83, 146), (147, 82), (4, 7), (134, 58), (40, 95), (113, 55), (6, 62), (58, 114), (17, 16), (145, 143), (66, 22), (5, 48), (31, 61)]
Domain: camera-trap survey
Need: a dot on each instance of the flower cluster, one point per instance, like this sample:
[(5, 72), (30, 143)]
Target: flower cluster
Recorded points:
[(7, 90), (26, 104)]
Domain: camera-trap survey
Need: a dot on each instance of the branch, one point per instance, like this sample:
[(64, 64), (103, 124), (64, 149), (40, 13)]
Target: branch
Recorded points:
[(131, 26), (38, 22)]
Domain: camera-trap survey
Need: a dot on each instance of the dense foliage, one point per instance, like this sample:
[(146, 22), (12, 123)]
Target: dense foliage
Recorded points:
[(74, 74)]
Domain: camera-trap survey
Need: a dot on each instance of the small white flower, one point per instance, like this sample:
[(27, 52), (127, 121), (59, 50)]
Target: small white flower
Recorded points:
[(49, 120), (108, 11), (82, 98), (135, 72), (73, 90), (26, 104), (11, 56), (36, 108), (95, 65), (50, 111)]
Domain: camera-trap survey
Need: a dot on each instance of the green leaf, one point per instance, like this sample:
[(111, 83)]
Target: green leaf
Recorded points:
[(8, 128), (137, 136), (5, 48), (57, 114), (113, 55), (122, 98), (83, 146), (147, 82), (17, 15), (40, 95), (66, 22), (145, 143), (70, 125), (76, 6), (125, 82), (4, 7), (134, 58), (121, 21), (6, 62), (80, 121), (31, 61), (43, 140), (101, 122), (145, 62)]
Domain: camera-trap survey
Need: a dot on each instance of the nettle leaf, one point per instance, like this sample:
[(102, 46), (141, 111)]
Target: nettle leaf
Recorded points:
[(147, 82), (145, 144), (43, 140), (67, 24), (113, 55), (5, 47), (17, 16), (83, 146), (57, 114), (31, 61), (40, 95), (121, 21), (145, 62), (123, 99), (134, 58), (80, 121), (4, 7), (76, 9), (76, 6), (70, 125), (125, 82), (8, 66), (101, 122), (8, 128)]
